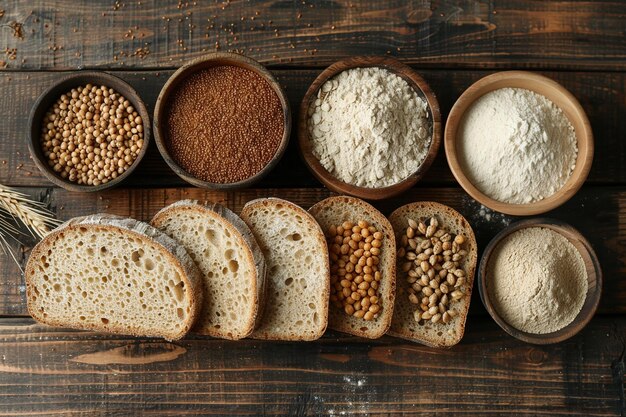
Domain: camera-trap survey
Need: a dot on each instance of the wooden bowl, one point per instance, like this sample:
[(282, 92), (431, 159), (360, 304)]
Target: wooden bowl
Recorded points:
[(559, 96), (594, 281), (423, 91), (214, 60), (52, 94)]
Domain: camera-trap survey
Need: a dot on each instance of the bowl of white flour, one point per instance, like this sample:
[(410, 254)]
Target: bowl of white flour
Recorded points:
[(519, 143), (369, 127), (540, 280)]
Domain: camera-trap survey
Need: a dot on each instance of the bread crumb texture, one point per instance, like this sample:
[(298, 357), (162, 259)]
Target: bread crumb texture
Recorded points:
[(336, 210), (403, 323), (94, 278), (297, 288), (227, 268)]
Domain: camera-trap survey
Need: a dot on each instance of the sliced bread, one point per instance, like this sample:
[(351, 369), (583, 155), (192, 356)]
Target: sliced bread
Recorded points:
[(404, 324), (297, 270), (333, 212), (113, 274), (231, 262)]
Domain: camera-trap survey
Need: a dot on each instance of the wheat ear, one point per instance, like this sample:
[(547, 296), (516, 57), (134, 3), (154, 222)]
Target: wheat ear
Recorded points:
[(33, 214)]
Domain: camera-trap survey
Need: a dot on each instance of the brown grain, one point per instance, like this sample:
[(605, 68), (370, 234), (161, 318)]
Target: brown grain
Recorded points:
[(224, 124), (430, 257)]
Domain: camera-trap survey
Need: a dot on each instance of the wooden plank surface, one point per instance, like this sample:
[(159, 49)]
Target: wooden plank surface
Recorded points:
[(46, 371), (598, 212), (603, 96), (70, 34)]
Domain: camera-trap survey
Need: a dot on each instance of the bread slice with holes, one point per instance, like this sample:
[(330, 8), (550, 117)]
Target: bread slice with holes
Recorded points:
[(334, 211), (403, 324), (116, 275), (296, 304), (231, 262)]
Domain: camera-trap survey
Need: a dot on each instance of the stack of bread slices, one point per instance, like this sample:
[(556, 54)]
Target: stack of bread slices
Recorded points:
[(200, 268)]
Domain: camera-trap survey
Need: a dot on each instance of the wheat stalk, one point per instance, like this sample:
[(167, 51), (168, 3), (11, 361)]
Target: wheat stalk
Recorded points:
[(31, 213), (16, 208)]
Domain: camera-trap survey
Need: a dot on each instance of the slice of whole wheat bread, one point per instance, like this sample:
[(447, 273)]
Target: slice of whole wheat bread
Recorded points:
[(297, 270), (403, 324), (113, 274), (231, 262), (333, 211)]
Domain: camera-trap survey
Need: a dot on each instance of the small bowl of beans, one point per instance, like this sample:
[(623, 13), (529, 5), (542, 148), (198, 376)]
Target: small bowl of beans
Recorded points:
[(88, 131)]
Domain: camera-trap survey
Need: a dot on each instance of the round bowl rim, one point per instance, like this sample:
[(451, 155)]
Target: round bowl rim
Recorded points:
[(73, 80), (571, 186), (579, 321), (398, 68), (226, 58)]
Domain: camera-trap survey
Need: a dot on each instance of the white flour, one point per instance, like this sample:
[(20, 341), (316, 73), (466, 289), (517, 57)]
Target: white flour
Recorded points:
[(369, 128), (537, 280), (516, 146)]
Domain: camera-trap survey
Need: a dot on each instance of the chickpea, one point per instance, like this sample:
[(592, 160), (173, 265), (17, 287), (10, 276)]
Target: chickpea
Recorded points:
[(354, 251), (82, 117)]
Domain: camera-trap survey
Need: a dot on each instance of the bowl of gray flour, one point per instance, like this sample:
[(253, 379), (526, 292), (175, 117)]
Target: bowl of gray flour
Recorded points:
[(540, 280), (369, 127), (519, 143)]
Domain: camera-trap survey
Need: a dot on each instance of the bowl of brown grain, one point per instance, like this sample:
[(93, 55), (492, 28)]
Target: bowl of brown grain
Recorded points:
[(222, 121)]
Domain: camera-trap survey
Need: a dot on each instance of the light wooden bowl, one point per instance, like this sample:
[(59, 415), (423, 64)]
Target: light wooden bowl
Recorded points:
[(594, 281), (559, 96), (52, 94), (423, 91), (208, 61)]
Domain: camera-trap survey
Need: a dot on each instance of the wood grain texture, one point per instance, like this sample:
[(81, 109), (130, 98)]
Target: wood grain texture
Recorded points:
[(47, 371), (602, 95), (67, 34), (599, 213)]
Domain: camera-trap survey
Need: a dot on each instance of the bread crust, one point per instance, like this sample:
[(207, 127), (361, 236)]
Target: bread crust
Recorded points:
[(321, 242), (361, 210), (189, 272), (451, 220), (242, 233)]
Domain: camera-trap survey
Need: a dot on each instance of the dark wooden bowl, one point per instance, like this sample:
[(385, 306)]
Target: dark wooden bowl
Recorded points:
[(594, 281), (52, 94), (423, 91), (556, 93), (213, 60)]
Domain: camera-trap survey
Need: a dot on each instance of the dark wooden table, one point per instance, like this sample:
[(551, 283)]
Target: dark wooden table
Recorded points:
[(48, 371)]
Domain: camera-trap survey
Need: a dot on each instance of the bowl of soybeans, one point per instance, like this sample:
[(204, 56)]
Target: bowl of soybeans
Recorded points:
[(88, 131)]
